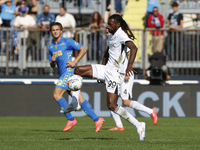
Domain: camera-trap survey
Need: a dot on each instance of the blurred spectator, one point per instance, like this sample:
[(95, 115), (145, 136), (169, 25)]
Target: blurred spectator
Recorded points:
[(156, 21), (118, 6), (97, 40), (107, 13), (175, 21), (22, 3), (198, 21), (31, 4), (150, 5), (24, 21), (0, 22), (118, 9), (97, 21), (33, 7), (68, 22), (87, 3), (158, 72), (8, 9), (43, 21)]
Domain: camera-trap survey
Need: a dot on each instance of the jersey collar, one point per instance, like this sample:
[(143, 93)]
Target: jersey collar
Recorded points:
[(118, 30), (60, 41)]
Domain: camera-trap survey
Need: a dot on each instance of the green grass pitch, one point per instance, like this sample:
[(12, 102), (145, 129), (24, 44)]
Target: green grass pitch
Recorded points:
[(45, 133)]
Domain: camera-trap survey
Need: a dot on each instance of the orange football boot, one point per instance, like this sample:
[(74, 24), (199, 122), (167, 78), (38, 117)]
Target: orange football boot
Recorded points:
[(69, 125), (116, 129), (154, 116), (99, 124)]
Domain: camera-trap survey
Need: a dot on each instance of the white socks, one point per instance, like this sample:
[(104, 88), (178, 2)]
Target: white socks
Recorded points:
[(136, 105), (117, 119), (126, 115)]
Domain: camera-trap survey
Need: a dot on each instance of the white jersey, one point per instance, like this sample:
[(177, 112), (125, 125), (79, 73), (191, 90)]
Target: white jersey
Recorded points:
[(117, 51)]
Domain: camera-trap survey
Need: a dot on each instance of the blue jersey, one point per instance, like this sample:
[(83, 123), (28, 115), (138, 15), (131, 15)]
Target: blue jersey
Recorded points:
[(63, 50), (7, 12), (45, 19)]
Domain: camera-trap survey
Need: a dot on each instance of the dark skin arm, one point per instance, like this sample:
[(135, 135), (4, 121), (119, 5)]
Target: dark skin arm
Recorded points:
[(133, 52), (105, 57)]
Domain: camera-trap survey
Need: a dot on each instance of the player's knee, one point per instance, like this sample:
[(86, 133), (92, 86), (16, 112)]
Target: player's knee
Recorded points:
[(56, 96), (77, 70), (126, 103)]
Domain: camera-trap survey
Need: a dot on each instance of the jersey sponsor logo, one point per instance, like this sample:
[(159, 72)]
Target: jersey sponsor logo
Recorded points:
[(58, 53)]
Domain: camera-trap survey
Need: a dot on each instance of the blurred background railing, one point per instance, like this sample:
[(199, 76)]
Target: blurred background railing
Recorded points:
[(28, 55)]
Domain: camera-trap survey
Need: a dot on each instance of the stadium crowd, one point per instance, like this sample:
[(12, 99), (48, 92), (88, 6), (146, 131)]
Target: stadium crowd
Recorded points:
[(22, 15)]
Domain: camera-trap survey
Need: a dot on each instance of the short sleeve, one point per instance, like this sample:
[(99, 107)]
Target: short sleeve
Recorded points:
[(75, 45), (124, 38), (52, 18), (181, 16), (169, 17)]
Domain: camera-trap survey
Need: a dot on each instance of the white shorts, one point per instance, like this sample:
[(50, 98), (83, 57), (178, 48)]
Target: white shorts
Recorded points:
[(112, 78), (126, 89)]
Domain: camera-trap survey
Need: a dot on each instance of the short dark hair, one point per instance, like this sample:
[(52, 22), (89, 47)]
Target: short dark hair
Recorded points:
[(64, 8), (174, 4), (46, 6), (56, 24)]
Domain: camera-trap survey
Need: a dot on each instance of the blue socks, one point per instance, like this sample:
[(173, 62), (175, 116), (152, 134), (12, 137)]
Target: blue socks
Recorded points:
[(63, 105), (89, 111)]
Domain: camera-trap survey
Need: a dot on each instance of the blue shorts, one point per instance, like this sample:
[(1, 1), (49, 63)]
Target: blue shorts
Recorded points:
[(62, 81)]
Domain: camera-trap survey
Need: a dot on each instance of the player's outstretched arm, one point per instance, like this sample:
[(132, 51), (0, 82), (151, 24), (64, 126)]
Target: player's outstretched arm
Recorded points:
[(81, 53), (133, 52)]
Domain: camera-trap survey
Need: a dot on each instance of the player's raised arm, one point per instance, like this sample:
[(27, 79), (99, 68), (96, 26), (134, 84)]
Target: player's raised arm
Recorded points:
[(81, 53)]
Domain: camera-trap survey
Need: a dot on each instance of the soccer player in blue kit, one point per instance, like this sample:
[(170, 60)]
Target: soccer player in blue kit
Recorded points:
[(60, 53)]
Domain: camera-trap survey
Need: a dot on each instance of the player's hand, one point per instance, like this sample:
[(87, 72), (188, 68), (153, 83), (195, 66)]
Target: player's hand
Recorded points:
[(71, 64), (126, 78), (129, 71), (54, 57)]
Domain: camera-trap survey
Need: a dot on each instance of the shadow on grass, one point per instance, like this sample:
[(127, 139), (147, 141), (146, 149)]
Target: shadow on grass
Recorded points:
[(88, 138), (48, 130)]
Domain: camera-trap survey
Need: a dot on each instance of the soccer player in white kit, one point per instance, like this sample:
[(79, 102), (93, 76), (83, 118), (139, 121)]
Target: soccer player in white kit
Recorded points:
[(126, 95), (120, 37)]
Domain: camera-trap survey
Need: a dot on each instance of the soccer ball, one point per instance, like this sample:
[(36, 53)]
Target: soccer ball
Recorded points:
[(74, 83)]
